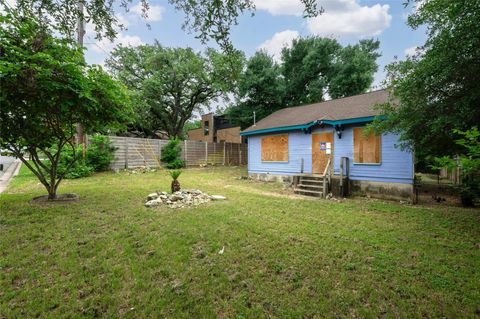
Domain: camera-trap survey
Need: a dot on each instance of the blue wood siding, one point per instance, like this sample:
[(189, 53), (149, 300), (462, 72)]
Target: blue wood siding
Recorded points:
[(396, 165), (299, 146)]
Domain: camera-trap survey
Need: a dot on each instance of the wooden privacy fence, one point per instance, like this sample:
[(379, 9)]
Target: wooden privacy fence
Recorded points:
[(136, 152)]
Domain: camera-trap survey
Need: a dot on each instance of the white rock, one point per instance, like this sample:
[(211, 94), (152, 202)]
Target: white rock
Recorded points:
[(153, 203), (152, 196), (217, 197)]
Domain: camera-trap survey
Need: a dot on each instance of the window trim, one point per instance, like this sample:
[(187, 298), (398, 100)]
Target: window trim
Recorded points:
[(366, 163), (288, 148)]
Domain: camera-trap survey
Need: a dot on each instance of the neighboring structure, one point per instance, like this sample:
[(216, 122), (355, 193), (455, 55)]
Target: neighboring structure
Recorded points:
[(322, 147), (216, 129)]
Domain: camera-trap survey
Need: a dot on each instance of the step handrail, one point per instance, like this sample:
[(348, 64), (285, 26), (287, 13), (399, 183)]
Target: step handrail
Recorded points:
[(326, 178)]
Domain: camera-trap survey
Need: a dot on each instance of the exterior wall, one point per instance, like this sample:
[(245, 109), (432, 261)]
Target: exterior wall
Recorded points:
[(396, 165), (230, 135), (211, 133), (196, 135)]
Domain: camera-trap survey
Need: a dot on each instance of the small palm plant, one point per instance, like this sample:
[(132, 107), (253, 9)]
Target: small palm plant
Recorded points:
[(175, 183)]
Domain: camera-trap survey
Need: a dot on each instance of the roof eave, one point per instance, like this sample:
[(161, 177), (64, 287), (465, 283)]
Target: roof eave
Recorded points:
[(309, 125)]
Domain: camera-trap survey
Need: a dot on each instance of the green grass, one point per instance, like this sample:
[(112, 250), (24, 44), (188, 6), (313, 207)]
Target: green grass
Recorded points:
[(108, 256)]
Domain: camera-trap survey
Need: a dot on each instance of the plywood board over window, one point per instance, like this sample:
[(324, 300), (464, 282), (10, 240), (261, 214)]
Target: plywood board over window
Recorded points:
[(275, 148), (366, 149)]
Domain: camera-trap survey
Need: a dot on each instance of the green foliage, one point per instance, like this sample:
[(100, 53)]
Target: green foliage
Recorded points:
[(175, 174), (210, 20), (307, 67), (312, 68), (169, 84), (100, 153), (190, 125), (469, 162), (437, 90), (171, 154), (76, 170), (261, 89), (46, 89), (178, 163)]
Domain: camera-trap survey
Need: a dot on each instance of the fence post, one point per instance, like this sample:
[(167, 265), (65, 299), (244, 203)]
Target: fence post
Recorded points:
[(239, 155), (159, 148), (185, 152), (144, 154), (206, 153), (126, 152), (224, 153)]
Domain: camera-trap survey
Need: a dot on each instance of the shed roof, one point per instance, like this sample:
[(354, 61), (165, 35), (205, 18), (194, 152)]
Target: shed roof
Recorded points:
[(333, 111)]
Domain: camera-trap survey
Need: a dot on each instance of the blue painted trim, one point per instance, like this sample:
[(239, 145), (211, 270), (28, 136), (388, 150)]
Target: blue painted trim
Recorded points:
[(353, 121), (309, 125), (280, 129)]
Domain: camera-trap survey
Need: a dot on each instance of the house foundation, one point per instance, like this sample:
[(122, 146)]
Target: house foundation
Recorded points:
[(347, 187)]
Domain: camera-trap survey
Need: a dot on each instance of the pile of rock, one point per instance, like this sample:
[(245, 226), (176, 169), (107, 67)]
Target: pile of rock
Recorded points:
[(141, 170), (181, 199)]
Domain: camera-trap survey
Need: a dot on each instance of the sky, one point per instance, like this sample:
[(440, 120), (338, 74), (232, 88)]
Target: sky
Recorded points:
[(274, 25)]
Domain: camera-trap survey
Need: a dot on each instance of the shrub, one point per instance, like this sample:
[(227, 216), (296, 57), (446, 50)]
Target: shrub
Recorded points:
[(100, 153), (178, 163), (79, 167), (469, 162), (175, 183), (171, 154)]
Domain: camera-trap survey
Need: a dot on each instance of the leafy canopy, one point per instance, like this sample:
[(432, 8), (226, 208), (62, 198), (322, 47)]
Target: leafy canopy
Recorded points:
[(45, 89), (209, 20), (310, 70), (169, 84), (438, 89)]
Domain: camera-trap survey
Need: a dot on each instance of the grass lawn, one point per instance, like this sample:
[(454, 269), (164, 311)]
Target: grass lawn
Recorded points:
[(108, 256)]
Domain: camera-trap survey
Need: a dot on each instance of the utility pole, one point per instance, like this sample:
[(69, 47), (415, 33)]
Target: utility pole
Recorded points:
[(254, 118), (80, 139)]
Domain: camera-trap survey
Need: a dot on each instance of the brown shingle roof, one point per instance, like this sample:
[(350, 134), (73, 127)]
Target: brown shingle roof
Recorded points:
[(340, 109)]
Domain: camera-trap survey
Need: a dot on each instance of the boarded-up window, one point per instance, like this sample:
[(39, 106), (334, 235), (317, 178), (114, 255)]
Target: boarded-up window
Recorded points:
[(366, 149), (275, 148)]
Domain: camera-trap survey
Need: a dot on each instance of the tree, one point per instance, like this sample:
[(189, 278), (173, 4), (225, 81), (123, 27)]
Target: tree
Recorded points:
[(261, 90), (45, 89), (311, 70), (437, 91), (469, 162), (210, 20), (307, 67), (354, 69), (314, 67), (169, 84)]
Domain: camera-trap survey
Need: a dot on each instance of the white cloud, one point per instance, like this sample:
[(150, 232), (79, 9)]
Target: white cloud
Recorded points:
[(411, 51), (280, 7), (279, 40), (351, 20), (154, 12), (123, 20), (341, 17), (105, 46)]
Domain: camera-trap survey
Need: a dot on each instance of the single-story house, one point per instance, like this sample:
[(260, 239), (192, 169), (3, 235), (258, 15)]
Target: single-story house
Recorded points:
[(306, 144)]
